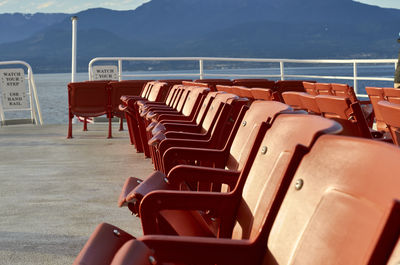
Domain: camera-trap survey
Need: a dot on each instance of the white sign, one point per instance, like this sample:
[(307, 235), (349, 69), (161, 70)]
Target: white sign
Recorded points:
[(105, 72), (13, 89)]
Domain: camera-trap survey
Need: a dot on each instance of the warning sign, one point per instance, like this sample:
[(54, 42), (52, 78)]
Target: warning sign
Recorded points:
[(13, 90), (105, 72)]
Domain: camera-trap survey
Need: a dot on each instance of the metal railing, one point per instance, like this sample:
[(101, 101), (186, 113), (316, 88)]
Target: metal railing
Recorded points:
[(34, 107), (202, 73)]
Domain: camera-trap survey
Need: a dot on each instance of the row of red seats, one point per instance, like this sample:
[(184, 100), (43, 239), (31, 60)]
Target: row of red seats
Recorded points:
[(285, 192), (96, 98)]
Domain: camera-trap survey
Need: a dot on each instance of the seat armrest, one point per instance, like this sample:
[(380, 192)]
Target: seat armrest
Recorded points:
[(186, 173), (203, 250), (220, 204), (174, 154)]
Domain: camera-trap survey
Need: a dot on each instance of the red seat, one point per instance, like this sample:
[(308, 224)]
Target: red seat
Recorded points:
[(292, 98), (309, 103), (88, 99), (391, 116), (375, 95), (309, 87), (344, 90), (323, 88), (128, 88), (258, 181), (263, 94), (392, 94), (231, 156), (348, 114), (212, 132)]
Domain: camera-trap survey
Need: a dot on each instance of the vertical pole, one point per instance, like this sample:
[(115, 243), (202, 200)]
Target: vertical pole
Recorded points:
[(397, 70), (119, 70), (74, 36), (282, 67), (201, 69), (355, 79)]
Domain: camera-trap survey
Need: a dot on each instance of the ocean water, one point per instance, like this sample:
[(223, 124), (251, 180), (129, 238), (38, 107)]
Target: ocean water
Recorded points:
[(53, 98)]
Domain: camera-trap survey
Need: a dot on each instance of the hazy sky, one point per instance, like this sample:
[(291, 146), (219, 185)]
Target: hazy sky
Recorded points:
[(72, 6)]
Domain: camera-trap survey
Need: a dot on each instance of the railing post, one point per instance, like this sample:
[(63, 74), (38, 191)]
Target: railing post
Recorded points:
[(282, 67), (74, 33), (201, 74), (119, 69), (355, 79), (32, 83)]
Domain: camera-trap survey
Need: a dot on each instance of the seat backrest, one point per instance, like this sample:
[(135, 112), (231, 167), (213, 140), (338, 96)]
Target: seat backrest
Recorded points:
[(271, 161), (292, 98), (344, 90), (375, 95), (125, 87), (391, 116), (88, 98), (392, 94), (193, 100), (214, 109), (323, 88), (348, 114), (224, 88), (309, 103), (337, 204), (259, 111), (245, 92), (309, 87), (205, 106), (156, 89), (261, 83), (262, 93)]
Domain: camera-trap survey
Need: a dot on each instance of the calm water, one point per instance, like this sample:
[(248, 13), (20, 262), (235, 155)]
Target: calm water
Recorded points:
[(52, 88)]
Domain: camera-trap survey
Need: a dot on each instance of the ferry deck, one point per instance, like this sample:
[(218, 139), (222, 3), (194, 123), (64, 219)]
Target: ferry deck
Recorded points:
[(55, 190)]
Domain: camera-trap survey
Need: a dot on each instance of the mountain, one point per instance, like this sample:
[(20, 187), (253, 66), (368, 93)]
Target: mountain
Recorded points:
[(17, 26), (234, 28)]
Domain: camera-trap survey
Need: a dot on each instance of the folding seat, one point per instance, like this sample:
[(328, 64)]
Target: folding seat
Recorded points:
[(292, 98), (230, 155), (323, 89), (255, 82), (263, 94), (88, 99), (241, 214), (375, 95), (121, 88), (344, 90), (348, 114), (170, 125), (309, 103), (213, 131), (391, 116), (152, 92), (309, 87), (392, 94)]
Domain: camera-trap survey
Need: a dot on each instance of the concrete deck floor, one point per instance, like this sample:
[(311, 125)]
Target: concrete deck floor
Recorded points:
[(54, 191)]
